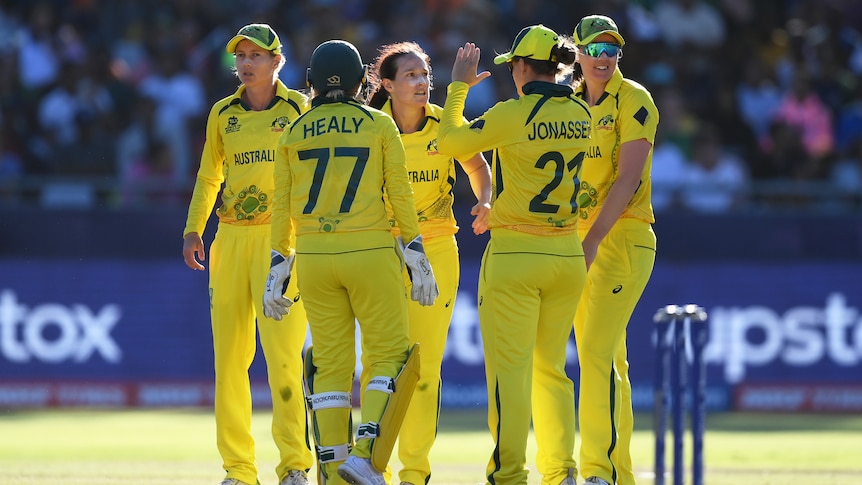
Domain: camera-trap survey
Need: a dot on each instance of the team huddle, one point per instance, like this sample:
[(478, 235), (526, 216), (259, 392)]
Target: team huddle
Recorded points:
[(348, 218)]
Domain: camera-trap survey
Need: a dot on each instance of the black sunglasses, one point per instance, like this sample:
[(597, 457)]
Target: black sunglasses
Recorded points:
[(510, 63)]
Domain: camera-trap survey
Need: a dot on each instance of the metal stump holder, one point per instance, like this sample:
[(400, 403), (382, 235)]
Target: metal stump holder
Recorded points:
[(679, 328)]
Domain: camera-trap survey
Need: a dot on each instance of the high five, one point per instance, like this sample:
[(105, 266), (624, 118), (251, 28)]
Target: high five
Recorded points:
[(533, 269)]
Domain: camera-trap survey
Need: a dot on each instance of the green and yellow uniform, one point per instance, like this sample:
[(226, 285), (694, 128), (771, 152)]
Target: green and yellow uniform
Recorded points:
[(239, 152), (432, 177), (332, 168), (616, 280), (532, 271)]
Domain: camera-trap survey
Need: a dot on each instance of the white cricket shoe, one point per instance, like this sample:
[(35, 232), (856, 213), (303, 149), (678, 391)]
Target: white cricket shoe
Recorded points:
[(295, 477), (359, 471), (597, 481), (570, 479), (232, 481)]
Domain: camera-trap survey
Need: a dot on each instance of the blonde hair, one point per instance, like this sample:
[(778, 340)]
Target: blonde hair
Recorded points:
[(282, 60)]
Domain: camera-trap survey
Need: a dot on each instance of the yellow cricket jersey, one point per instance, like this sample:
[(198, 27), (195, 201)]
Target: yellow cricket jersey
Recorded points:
[(625, 112), (539, 142), (239, 151), (332, 167), (431, 175)]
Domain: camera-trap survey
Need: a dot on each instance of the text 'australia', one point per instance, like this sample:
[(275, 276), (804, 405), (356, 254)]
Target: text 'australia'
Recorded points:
[(337, 124), (253, 156), (594, 152), (544, 130), (423, 175)]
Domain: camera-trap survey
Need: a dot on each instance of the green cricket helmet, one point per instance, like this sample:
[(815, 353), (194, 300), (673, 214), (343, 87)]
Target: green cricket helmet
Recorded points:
[(335, 64)]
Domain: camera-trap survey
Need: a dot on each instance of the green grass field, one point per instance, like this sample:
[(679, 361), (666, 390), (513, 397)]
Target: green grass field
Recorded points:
[(177, 447)]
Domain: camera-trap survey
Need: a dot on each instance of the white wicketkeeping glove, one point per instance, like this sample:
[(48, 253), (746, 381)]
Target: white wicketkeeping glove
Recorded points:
[(424, 285), (275, 304)]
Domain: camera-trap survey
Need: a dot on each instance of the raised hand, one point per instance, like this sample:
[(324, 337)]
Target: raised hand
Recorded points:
[(466, 65)]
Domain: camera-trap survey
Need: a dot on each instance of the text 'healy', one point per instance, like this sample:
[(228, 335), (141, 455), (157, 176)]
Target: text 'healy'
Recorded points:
[(338, 124)]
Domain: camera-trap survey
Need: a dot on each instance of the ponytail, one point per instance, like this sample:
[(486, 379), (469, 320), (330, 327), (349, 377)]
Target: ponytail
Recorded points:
[(378, 97)]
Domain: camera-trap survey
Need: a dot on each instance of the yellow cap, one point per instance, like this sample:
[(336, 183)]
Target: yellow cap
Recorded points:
[(261, 34), (534, 42)]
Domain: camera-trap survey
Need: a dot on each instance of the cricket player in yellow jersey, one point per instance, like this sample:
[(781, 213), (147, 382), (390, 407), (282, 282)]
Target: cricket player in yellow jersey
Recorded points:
[(615, 224), (402, 76), (242, 135), (332, 168), (533, 269)]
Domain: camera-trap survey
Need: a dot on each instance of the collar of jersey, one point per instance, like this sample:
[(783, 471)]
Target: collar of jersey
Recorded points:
[(281, 91), (319, 100), (387, 108), (546, 89), (612, 88)]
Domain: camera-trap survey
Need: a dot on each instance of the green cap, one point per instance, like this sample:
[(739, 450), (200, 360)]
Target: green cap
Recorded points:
[(335, 64), (534, 42), (261, 34), (593, 26)]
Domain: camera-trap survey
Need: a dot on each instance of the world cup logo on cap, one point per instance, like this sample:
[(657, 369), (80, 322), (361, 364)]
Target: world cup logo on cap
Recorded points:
[(600, 23)]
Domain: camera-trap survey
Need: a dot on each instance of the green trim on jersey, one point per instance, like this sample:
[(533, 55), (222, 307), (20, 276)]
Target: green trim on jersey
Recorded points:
[(332, 167), (239, 152), (431, 175), (539, 158), (624, 112)]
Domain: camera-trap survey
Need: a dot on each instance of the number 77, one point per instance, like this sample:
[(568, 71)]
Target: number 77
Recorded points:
[(322, 156)]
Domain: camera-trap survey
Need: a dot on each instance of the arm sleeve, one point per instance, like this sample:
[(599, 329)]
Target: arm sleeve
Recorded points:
[(456, 138), (396, 182), (464, 156), (282, 224), (209, 178)]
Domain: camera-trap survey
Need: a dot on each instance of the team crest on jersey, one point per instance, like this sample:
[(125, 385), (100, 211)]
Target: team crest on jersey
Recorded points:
[(605, 123), (431, 149), (279, 123), (232, 125)]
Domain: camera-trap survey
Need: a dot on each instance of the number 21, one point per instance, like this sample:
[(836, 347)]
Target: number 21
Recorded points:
[(537, 204)]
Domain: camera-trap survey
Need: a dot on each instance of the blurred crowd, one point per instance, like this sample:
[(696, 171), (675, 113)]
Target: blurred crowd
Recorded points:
[(104, 102)]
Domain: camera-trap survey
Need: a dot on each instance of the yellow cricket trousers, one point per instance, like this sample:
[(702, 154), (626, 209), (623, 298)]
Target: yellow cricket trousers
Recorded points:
[(239, 264), (339, 289), (527, 302), (615, 282), (429, 326)]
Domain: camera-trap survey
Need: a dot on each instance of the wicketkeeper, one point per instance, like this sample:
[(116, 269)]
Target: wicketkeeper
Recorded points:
[(332, 168)]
